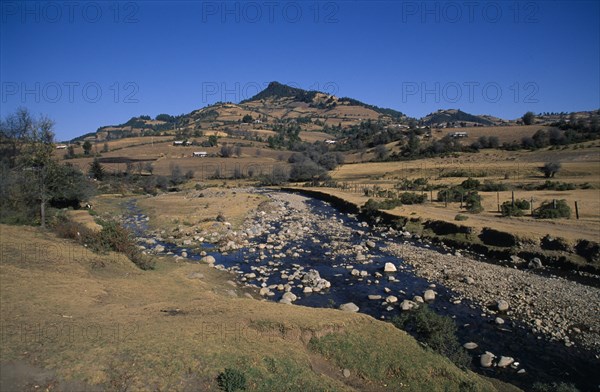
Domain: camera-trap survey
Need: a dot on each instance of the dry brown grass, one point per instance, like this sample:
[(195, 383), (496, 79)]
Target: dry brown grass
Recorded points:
[(171, 209), (578, 167)]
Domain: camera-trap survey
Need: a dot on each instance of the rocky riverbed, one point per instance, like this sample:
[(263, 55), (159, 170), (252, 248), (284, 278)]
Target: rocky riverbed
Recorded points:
[(552, 307), (296, 250)]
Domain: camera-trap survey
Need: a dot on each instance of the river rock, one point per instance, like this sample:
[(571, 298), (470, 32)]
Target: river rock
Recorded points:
[(208, 259), (349, 307), (502, 305), (499, 321), (355, 272), (486, 359), (289, 296), (264, 291), (468, 280), (374, 297), (159, 248), (470, 346), (346, 373), (407, 305), (370, 244), (391, 299), (418, 299), (389, 267), (505, 361), (535, 263), (307, 290), (429, 295)]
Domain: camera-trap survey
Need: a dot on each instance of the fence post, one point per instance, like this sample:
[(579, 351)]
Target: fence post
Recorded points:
[(498, 200), (576, 211)]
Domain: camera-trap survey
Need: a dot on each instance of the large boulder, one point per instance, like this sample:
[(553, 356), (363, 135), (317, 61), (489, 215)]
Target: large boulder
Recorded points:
[(487, 359), (505, 361), (389, 267), (429, 295), (349, 307), (208, 259), (502, 305)]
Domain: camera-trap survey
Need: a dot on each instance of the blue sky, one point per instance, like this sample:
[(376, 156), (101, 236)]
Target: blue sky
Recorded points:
[(90, 63)]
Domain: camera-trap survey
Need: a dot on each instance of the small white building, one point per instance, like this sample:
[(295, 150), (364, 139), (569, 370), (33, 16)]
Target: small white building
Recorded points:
[(459, 134), (61, 147), (200, 154), (329, 141)]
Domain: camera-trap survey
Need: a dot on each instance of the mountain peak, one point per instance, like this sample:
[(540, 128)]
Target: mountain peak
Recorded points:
[(279, 90)]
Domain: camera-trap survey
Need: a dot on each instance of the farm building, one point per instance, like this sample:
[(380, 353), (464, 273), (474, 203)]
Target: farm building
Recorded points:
[(459, 134), (200, 154)]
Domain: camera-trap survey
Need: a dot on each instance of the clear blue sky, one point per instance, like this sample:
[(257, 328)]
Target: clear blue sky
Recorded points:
[(88, 63)]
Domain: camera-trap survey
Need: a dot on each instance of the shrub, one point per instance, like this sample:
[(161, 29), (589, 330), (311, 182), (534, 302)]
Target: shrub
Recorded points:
[(508, 209), (554, 387), (556, 186), (231, 380), (437, 332), (550, 169), (470, 183), (489, 186), (112, 237), (473, 203), (411, 198), (553, 210), (460, 217)]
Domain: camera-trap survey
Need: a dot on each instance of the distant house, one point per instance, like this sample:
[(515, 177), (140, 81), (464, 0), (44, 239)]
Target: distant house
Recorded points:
[(329, 141), (459, 134), (178, 143), (200, 154), (61, 146)]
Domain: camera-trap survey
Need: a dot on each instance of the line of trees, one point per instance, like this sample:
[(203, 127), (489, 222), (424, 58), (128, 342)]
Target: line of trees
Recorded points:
[(31, 178)]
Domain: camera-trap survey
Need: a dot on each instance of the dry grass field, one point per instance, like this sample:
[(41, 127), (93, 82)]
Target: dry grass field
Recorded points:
[(509, 168), (503, 133), (190, 209)]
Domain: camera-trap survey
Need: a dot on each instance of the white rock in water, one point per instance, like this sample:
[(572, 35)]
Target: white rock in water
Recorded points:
[(418, 299), (429, 295), (470, 346), (391, 299), (374, 297), (307, 290), (264, 291), (499, 320), (208, 259), (502, 305), (289, 296), (505, 361), (486, 359), (389, 267), (349, 307), (407, 305)]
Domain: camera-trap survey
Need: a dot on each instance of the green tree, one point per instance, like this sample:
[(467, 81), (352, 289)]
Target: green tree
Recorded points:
[(550, 169), (528, 118), (87, 147), (37, 161), (105, 147), (70, 152), (96, 170), (247, 119)]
